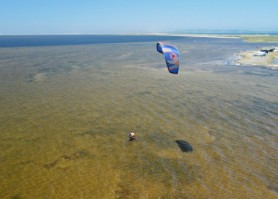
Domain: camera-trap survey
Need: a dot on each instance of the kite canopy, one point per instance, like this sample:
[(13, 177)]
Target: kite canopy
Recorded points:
[(172, 56)]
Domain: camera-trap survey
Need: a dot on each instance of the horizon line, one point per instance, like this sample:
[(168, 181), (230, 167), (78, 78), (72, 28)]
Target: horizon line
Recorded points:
[(174, 33)]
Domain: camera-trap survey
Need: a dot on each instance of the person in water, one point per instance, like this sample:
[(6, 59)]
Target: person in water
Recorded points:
[(131, 136)]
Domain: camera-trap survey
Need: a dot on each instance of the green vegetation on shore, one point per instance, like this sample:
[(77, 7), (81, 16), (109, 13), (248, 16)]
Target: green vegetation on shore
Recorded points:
[(260, 38)]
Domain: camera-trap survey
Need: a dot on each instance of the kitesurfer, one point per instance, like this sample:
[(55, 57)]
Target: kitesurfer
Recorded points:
[(131, 136)]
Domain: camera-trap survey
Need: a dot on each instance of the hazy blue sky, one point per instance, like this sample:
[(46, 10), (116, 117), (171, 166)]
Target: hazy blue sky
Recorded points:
[(134, 16)]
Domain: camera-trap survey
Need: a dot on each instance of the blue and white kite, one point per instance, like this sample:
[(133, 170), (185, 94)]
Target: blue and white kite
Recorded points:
[(172, 56)]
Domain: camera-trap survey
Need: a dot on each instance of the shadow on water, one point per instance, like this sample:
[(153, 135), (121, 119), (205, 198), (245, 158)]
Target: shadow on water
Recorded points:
[(184, 146)]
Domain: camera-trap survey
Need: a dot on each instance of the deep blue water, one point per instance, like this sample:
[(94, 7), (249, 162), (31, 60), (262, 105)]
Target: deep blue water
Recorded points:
[(61, 40), (57, 40)]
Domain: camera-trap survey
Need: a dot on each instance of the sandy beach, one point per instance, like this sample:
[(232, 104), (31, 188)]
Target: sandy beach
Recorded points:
[(196, 35), (248, 58)]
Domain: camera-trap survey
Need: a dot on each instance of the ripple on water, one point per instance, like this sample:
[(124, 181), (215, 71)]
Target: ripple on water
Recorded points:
[(207, 133)]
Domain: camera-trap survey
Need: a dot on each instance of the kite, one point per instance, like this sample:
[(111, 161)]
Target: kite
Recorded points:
[(172, 56)]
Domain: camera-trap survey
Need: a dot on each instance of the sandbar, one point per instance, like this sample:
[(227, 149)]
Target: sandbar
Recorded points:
[(270, 60)]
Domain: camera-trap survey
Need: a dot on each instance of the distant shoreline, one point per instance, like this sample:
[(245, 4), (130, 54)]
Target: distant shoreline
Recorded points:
[(195, 35), (250, 38)]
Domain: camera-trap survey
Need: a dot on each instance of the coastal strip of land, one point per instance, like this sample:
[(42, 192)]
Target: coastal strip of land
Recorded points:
[(250, 58), (224, 36), (260, 38), (250, 38)]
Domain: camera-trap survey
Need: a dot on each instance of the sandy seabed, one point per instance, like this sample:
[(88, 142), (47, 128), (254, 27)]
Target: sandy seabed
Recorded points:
[(66, 112)]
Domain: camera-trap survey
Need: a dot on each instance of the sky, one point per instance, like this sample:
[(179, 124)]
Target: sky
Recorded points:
[(21, 17)]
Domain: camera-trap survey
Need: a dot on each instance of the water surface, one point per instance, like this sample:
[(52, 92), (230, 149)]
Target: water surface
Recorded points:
[(66, 112)]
